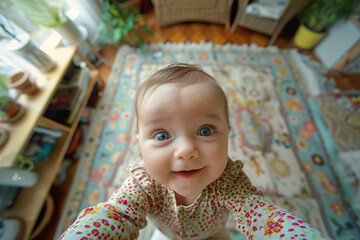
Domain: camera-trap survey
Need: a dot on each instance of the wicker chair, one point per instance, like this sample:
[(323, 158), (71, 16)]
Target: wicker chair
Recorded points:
[(264, 25), (176, 11)]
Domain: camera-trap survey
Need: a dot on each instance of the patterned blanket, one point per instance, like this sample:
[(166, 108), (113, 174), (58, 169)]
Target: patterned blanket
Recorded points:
[(275, 132)]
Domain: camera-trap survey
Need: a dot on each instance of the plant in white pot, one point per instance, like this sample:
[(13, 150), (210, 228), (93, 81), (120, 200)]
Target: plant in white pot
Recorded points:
[(51, 14), (318, 16)]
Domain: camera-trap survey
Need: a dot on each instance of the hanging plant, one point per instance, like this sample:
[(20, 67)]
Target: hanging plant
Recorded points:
[(42, 12)]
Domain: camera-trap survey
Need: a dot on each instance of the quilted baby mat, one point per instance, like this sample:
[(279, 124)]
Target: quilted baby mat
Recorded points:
[(273, 131)]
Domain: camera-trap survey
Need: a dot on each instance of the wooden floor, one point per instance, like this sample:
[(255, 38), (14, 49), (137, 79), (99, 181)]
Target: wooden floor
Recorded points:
[(193, 32)]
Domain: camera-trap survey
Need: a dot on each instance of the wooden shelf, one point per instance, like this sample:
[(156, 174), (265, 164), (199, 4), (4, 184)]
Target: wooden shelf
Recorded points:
[(30, 201), (21, 131)]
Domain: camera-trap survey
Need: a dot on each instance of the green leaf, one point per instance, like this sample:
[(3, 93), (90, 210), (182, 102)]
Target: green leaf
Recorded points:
[(41, 12), (142, 47), (114, 11), (319, 15), (104, 37), (3, 114), (148, 29), (117, 36), (4, 85)]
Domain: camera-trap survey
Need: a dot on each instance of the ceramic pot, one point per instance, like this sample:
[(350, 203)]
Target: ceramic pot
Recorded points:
[(23, 82), (70, 33), (305, 38), (13, 111)]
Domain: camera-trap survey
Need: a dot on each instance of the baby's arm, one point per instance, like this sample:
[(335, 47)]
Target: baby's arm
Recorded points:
[(120, 217), (257, 218)]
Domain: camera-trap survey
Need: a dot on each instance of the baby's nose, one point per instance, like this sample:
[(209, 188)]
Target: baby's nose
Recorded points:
[(186, 149)]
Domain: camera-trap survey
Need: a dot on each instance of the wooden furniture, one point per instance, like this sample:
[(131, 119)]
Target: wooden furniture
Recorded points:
[(177, 11), (264, 25), (31, 200), (342, 57), (353, 51)]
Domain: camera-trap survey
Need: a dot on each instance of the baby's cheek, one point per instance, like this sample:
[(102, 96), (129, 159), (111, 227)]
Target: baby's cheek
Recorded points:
[(155, 165)]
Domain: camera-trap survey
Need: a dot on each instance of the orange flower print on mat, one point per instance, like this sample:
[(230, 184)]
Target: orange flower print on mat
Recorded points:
[(302, 144), (129, 69), (93, 197), (98, 174), (294, 119), (244, 58), (118, 106), (280, 167), (306, 131), (261, 79), (167, 58), (337, 208), (113, 116), (278, 60), (283, 71), (121, 137), (293, 105), (126, 115), (132, 58), (109, 146), (203, 57), (274, 224), (326, 182), (307, 135), (310, 126)]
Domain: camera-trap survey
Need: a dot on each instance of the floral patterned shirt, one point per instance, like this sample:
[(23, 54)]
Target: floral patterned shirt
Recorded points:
[(140, 196)]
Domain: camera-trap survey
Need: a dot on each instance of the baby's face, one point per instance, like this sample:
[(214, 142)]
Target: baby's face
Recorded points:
[(183, 137)]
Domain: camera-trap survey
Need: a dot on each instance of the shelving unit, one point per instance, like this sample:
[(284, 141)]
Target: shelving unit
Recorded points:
[(31, 200)]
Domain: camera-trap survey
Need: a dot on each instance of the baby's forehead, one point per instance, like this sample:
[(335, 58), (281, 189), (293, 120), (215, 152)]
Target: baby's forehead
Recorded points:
[(205, 86)]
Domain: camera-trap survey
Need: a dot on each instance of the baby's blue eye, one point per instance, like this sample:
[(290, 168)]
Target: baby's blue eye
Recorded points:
[(162, 136), (206, 131)]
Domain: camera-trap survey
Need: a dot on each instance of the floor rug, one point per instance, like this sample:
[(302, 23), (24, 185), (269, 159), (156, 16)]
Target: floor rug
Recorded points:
[(273, 130)]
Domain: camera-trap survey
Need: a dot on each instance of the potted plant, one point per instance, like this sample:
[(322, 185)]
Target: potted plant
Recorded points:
[(10, 110), (50, 15), (123, 25), (318, 16)]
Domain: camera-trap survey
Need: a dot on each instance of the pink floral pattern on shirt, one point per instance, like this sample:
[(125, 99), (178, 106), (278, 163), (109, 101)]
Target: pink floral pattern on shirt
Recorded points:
[(140, 196)]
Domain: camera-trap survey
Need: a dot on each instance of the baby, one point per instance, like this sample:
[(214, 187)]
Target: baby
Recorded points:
[(186, 183)]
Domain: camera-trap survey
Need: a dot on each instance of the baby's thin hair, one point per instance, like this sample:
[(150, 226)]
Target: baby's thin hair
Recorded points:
[(177, 73)]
